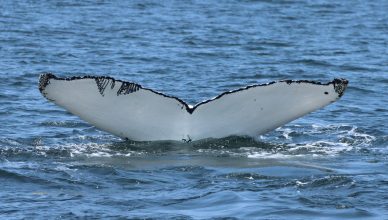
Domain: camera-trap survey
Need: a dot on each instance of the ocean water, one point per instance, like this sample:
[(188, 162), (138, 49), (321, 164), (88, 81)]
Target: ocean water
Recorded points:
[(330, 164)]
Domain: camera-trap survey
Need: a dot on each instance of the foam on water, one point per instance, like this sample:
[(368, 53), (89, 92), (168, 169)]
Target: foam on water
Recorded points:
[(282, 143)]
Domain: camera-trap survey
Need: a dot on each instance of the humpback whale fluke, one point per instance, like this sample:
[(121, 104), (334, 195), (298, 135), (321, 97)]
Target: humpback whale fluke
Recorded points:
[(130, 111)]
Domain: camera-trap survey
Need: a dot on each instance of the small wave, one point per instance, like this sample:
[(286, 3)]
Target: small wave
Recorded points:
[(5, 174), (326, 181), (247, 176), (94, 150), (270, 155), (312, 62), (66, 150), (65, 124), (23, 172), (354, 68)]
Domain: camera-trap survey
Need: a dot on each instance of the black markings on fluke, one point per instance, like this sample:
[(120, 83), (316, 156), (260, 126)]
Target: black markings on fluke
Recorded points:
[(44, 81), (102, 83), (340, 86), (127, 87)]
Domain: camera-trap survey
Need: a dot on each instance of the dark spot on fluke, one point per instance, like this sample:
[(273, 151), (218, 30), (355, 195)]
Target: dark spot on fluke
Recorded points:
[(340, 86), (44, 80), (103, 82)]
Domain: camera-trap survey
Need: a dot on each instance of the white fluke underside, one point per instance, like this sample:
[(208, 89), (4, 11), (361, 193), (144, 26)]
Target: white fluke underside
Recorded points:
[(140, 114)]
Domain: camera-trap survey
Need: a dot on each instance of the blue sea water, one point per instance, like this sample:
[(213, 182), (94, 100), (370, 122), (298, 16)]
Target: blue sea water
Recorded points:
[(331, 164)]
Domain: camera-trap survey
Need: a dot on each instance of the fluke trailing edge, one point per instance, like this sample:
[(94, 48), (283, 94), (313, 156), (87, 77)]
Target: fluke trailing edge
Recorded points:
[(128, 110)]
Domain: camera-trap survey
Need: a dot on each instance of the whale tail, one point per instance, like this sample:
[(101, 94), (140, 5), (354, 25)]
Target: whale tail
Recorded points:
[(130, 111)]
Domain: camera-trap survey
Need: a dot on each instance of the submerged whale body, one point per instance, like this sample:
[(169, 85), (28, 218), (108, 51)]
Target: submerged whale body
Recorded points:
[(130, 111)]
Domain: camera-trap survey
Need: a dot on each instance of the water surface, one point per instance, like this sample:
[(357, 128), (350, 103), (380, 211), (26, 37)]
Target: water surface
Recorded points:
[(330, 164)]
